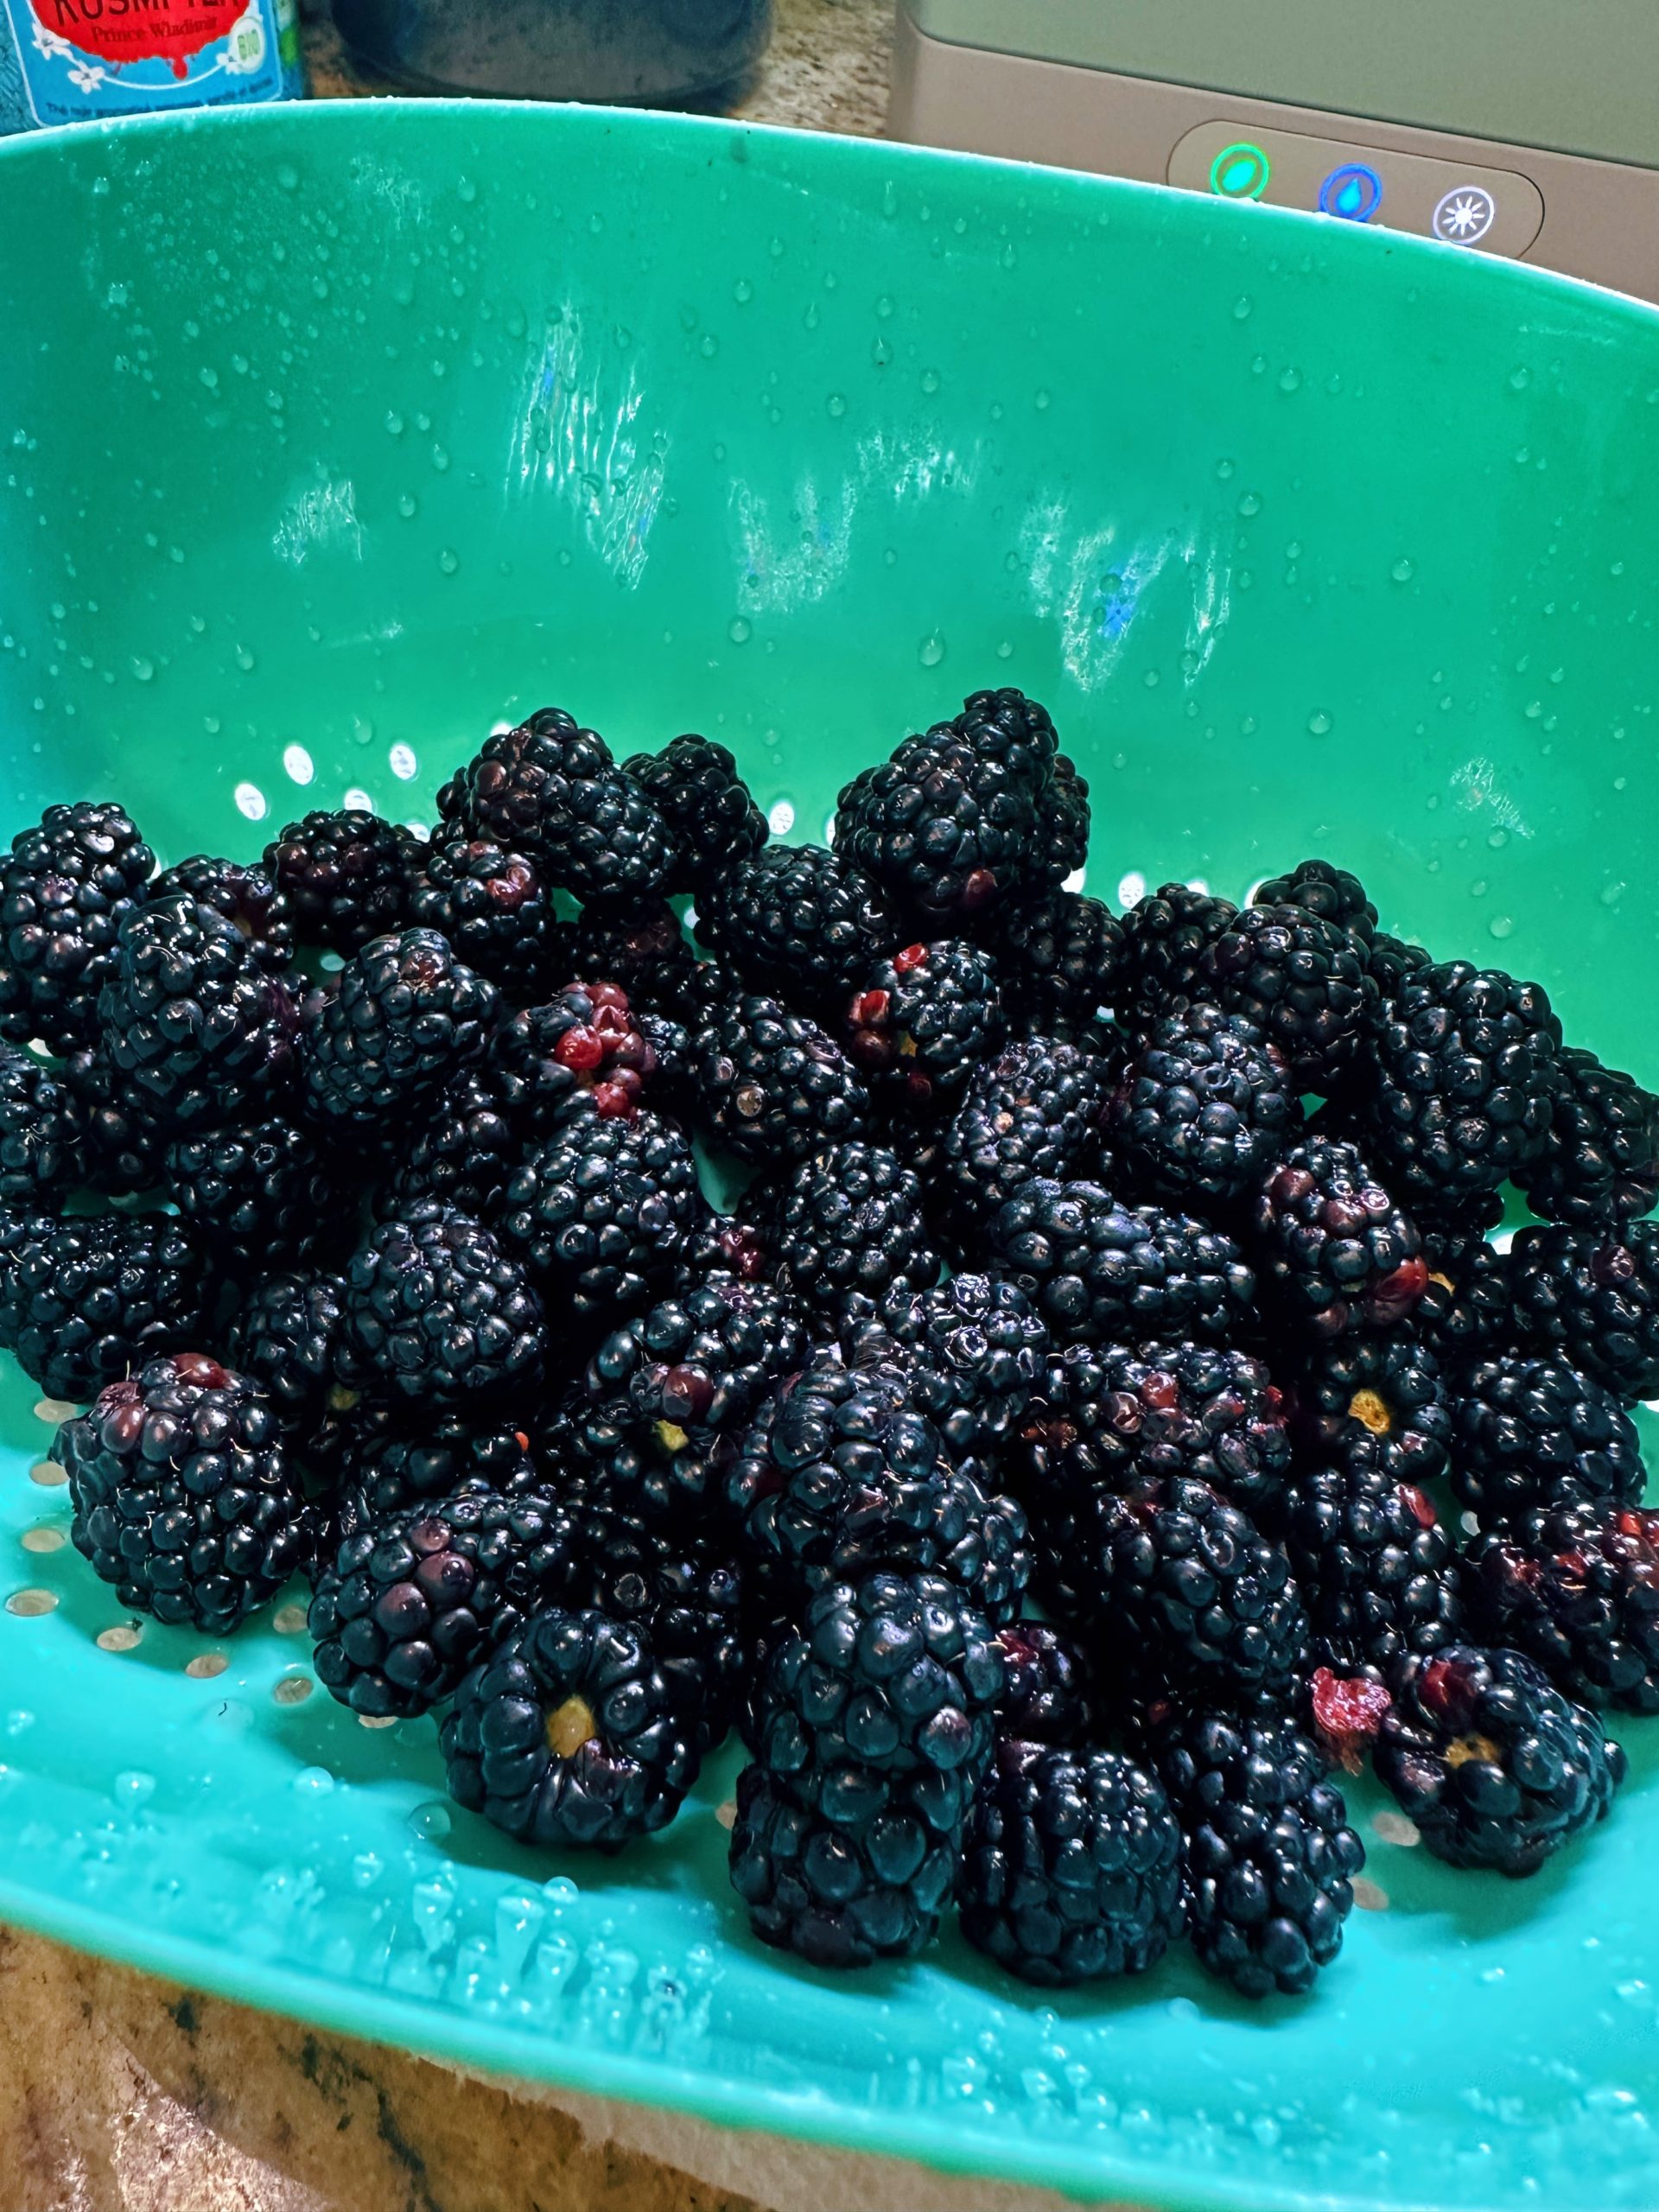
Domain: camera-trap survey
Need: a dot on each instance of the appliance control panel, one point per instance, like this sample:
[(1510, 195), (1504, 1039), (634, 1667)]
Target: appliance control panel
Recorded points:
[(1490, 210)]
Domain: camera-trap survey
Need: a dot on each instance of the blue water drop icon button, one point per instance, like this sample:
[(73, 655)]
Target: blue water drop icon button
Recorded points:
[(1240, 172), (1353, 192)]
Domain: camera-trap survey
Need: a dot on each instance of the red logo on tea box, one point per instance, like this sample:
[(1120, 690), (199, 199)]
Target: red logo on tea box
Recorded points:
[(140, 30)]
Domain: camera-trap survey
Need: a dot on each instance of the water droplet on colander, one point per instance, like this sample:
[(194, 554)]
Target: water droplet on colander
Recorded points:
[(709, 346), (288, 176), (209, 377), (836, 405), (1610, 894), (1250, 504), (408, 506), (930, 651), (448, 561), (880, 351), (1042, 399), (1226, 468), (1243, 307), (1402, 571), (431, 1823), (1519, 380), (1501, 925), (1005, 651), (743, 291), (142, 668), (245, 659), (740, 630), (1290, 380), (466, 189)]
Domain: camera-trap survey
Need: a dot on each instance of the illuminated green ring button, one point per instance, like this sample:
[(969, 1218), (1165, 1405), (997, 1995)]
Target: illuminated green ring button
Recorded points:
[(1240, 172)]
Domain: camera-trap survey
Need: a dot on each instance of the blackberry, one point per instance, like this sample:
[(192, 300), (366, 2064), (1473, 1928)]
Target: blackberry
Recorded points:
[(65, 886), (568, 1734), (951, 824), (922, 1021), (1100, 1273), (581, 1049), (841, 1894), (673, 1083), (1165, 935), (1047, 1697), (461, 1154), (1061, 957), (1528, 1433), (1172, 1571), (1600, 1160), (1125, 1419), (682, 1588), (714, 822), (974, 1351), (88, 1298), (1334, 1249), (602, 1212), (119, 1151), (193, 1028), (288, 1335), (1460, 1080), (1575, 1588), (1030, 1113), (1270, 1857), (1467, 1311), (390, 1461), (345, 876), (1330, 893), (887, 1675), (552, 792), (257, 1191), (1063, 822), (182, 1496), (495, 910), (669, 1394), (407, 1018), (798, 920), (735, 1247), (1393, 959), (439, 1311), (1384, 1392), (247, 896), (1496, 1768), (1593, 1296), (1205, 1108), (849, 1220), (40, 1148), (642, 949), (839, 1475), (771, 1086), (410, 1602), (1297, 979), (1377, 1570), (1072, 1866)]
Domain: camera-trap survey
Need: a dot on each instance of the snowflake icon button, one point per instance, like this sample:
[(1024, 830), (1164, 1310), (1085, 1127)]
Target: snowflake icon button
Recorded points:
[(1465, 214)]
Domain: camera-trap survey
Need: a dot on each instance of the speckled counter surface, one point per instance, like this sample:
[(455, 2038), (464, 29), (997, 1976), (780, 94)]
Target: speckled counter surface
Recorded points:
[(120, 2093)]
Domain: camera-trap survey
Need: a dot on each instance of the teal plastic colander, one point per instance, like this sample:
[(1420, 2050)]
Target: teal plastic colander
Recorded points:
[(332, 438)]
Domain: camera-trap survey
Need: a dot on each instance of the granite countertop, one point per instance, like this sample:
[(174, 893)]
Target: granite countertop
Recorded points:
[(119, 2092)]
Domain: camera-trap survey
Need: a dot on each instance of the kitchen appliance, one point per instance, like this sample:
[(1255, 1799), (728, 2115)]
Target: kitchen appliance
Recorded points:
[(1524, 128), (655, 52)]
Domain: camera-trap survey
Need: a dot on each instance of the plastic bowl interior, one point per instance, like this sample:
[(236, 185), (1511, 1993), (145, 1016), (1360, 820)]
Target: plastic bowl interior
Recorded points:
[(334, 436)]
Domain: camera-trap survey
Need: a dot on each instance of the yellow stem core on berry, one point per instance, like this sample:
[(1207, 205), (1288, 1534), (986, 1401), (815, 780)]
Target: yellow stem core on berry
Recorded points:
[(906, 1045), (1444, 1281), (1464, 1748), (569, 1726), (1370, 1410), (670, 1436)]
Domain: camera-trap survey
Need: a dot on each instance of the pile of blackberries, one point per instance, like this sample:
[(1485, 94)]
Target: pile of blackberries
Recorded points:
[(1102, 1417)]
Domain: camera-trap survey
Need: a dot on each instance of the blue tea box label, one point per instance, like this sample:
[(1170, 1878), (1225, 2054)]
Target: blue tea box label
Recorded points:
[(79, 59)]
